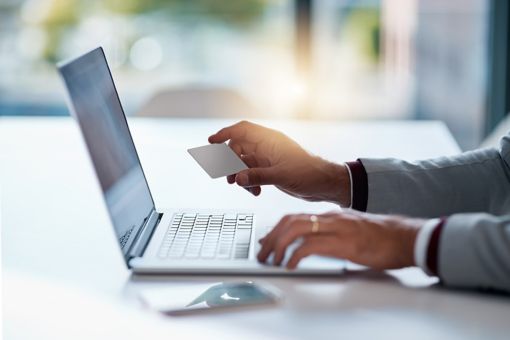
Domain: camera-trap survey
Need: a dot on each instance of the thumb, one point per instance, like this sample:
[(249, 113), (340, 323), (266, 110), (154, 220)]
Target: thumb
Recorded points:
[(257, 176)]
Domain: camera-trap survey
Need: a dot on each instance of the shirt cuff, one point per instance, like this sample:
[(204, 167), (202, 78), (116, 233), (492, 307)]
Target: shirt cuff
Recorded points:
[(359, 185), (433, 249), (421, 245), (350, 183)]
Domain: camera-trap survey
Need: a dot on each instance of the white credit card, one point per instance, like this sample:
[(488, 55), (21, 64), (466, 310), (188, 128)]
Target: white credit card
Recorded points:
[(217, 160)]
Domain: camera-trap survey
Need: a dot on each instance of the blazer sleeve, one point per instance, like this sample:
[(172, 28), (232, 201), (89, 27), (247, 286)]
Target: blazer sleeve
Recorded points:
[(474, 252), (475, 181)]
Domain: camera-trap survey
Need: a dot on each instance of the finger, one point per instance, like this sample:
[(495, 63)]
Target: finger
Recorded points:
[(292, 228), (270, 240), (250, 160), (256, 191), (267, 241), (236, 147), (254, 160), (314, 245), (294, 231), (258, 176), (301, 227), (236, 131), (241, 147)]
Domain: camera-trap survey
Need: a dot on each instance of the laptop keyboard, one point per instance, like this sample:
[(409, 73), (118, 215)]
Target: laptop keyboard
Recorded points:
[(206, 236), (124, 238)]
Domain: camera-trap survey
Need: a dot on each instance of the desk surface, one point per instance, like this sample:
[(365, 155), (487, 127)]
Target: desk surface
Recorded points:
[(61, 265)]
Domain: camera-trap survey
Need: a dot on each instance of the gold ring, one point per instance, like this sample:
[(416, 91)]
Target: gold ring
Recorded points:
[(315, 223)]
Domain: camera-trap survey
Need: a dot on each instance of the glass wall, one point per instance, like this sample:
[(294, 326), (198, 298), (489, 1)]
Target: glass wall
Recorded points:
[(452, 66), (382, 59), (403, 59)]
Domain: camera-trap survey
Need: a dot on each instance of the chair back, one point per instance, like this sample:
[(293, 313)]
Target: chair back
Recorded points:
[(198, 102)]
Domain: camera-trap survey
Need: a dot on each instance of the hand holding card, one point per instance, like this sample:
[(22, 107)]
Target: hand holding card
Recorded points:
[(218, 160)]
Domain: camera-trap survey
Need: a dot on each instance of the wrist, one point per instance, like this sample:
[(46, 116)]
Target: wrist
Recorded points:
[(337, 184), (410, 229)]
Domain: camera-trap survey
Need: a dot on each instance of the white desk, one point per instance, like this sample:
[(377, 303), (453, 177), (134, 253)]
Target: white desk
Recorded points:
[(65, 278)]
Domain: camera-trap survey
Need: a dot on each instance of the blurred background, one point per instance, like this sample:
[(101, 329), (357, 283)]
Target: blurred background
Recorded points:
[(313, 59)]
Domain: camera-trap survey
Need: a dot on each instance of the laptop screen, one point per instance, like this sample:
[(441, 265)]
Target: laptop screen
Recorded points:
[(96, 106)]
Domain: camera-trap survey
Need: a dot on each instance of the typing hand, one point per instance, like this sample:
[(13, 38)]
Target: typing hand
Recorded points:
[(377, 241), (275, 159)]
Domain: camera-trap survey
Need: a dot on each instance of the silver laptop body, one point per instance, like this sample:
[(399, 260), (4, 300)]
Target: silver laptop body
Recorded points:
[(173, 241)]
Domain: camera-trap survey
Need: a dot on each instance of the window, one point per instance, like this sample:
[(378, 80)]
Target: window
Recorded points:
[(398, 59)]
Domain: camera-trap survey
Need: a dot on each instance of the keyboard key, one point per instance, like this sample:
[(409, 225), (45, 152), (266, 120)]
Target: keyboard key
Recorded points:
[(243, 236)]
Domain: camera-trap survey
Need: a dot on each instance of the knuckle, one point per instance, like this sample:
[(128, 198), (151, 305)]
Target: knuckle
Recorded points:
[(306, 217), (293, 218), (285, 218), (283, 225), (285, 222)]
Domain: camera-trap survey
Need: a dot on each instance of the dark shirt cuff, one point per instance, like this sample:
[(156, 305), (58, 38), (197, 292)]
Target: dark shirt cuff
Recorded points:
[(433, 248), (359, 185)]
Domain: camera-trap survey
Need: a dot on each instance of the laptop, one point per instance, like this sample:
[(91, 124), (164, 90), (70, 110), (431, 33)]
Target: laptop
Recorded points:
[(159, 242)]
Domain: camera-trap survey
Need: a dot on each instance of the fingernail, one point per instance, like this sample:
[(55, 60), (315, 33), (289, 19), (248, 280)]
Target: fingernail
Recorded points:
[(242, 179)]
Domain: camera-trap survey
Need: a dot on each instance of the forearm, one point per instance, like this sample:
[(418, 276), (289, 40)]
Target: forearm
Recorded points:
[(470, 182), (473, 251)]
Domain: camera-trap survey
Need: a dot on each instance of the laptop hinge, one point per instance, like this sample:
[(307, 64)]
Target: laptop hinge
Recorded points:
[(145, 234)]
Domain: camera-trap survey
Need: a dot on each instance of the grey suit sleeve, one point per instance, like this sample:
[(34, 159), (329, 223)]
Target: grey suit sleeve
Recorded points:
[(473, 189), (475, 181), (474, 251)]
